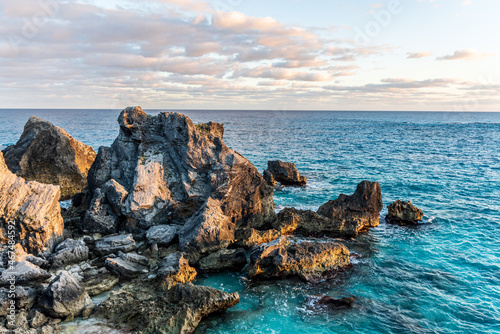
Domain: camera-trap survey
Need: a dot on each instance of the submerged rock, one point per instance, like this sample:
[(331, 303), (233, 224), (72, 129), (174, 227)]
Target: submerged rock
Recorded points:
[(34, 210), (310, 260), (179, 310), (403, 213), (65, 297), (285, 173), (174, 171), (324, 301), (48, 154)]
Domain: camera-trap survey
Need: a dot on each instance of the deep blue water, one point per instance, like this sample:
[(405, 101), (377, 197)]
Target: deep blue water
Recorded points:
[(440, 277)]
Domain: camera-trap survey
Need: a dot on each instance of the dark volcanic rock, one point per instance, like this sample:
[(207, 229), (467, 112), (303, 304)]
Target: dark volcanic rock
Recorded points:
[(48, 154), (310, 260), (175, 171), (33, 208), (64, 297), (285, 173), (162, 234), (179, 310), (224, 260), (403, 213)]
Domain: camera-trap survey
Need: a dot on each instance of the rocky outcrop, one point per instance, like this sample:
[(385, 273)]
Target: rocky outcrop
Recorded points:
[(173, 171), (175, 269), (48, 154), (65, 297), (178, 310), (285, 173), (34, 210), (403, 213), (310, 260), (224, 260)]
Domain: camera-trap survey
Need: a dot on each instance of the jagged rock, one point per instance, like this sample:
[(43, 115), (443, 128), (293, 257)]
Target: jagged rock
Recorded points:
[(174, 269), (37, 319), (269, 178), (356, 212), (250, 237), (128, 265), (310, 260), (172, 169), (403, 213), (34, 208), (285, 173), (100, 217), (98, 280), (115, 243), (224, 260), (23, 273), (324, 301), (48, 154), (162, 234), (178, 310), (64, 297), (68, 252)]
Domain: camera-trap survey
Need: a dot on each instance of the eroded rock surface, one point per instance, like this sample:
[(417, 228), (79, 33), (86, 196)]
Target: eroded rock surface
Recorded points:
[(311, 260), (175, 269), (285, 173), (224, 260), (48, 154), (403, 213)]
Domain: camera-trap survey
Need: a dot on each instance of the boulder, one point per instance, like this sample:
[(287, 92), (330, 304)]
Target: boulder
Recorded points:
[(48, 154), (128, 266), (356, 212), (34, 210), (179, 310), (285, 173), (403, 213), (174, 269), (172, 170), (224, 260), (98, 280), (65, 297), (68, 252), (311, 260), (115, 243), (162, 235), (23, 273)]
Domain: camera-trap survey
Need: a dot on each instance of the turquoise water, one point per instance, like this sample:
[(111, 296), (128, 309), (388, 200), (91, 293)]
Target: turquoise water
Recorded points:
[(440, 277)]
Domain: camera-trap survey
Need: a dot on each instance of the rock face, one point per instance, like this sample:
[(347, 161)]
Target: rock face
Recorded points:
[(285, 173), (48, 154), (64, 296), (310, 260), (403, 213), (171, 170), (35, 210), (178, 310)]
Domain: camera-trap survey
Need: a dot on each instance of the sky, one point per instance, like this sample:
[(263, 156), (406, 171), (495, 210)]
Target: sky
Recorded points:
[(407, 55)]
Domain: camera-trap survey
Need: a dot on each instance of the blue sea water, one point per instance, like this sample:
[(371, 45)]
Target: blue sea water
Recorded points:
[(442, 276)]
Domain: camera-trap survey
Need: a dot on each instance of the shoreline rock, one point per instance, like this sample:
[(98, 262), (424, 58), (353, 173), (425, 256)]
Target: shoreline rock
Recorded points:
[(285, 173), (403, 213)]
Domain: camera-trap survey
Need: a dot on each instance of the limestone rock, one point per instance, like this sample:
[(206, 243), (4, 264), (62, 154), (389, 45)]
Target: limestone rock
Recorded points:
[(48, 154), (224, 260), (174, 269), (285, 173), (68, 252), (172, 169), (64, 297), (356, 212), (179, 310), (310, 260), (250, 237), (114, 243), (161, 234), (403, 213), (269, 178), (98, 280), (128, 265), (34, 208), (23, 273)]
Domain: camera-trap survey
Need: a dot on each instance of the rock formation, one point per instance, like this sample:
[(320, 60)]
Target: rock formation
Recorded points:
[(311, 260), (224, 260), (165, 169), (34, 210), (403, 213), (178, 310), (48, 154), (285, 173)]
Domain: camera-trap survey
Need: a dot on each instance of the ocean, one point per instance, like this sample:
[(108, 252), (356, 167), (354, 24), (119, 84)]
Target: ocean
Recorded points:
[(442, 276)]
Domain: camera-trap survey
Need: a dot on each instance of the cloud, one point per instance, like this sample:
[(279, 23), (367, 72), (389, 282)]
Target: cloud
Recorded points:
[(415, 55), (469, 54)]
